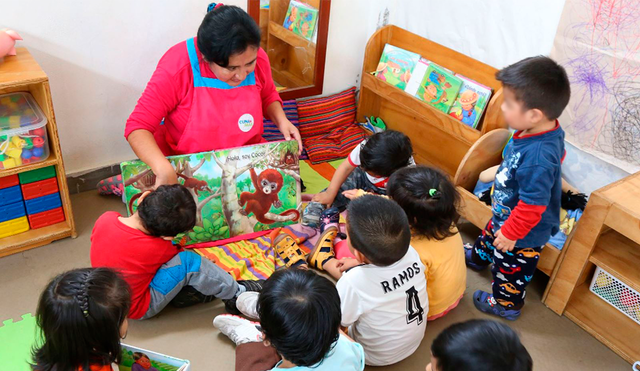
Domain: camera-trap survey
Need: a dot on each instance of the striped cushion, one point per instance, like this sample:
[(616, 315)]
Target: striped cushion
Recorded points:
[(327, 126), (271, 132)]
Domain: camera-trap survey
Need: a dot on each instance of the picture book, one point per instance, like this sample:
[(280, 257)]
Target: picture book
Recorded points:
[(439, 87), (237, 191), (396, 66), (471, 102), (301, 19), (137, 359), (417, 75)]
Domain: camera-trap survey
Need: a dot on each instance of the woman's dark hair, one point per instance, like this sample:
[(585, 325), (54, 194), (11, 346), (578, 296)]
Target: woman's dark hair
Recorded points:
[(428, 198), (385, 152), (168, 210), (80, 314), (480, 345), (378, 229), (226, 30), (300, 315)]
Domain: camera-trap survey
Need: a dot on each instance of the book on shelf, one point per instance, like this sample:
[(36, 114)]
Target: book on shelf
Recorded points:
[(439, 87), (416, 76), (471, 102), (301, 19), (396, 66)]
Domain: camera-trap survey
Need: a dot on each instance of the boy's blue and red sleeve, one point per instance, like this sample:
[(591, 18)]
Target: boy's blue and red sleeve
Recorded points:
[(535, 183)]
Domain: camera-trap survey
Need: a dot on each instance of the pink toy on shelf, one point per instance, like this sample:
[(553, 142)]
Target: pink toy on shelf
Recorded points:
[(8, 42)]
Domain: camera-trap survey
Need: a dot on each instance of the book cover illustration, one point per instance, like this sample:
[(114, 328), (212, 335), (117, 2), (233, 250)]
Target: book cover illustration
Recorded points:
[(439, 87), (237, 191), (396, 66), (471, 102), (416, 76), (301, 19), (137, 359)]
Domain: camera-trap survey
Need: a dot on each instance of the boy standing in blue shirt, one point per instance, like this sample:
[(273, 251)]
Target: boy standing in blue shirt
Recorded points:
[(527, 187)]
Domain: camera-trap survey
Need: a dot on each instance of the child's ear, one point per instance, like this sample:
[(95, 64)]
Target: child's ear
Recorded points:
[(535, 115), (139, 200), (167, 238)]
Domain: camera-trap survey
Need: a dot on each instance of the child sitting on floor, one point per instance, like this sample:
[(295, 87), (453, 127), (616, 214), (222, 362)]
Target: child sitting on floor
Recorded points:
[(479, 345), (368, 167), (158, 272), (384, 296), (82, 315), (300, 318), (528, 185), (429, 199)]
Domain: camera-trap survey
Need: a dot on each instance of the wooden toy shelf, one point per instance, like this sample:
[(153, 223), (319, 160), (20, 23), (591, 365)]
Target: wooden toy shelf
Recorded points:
[(608, 237), (292, 57), (485, 153), (22, 73), (437, 138)]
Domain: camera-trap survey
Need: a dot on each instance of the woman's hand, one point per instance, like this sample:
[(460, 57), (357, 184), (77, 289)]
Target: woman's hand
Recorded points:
[(165, 174), (290, 131)]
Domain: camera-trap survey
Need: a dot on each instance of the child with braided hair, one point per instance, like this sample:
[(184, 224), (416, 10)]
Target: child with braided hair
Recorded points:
[(82, 315)]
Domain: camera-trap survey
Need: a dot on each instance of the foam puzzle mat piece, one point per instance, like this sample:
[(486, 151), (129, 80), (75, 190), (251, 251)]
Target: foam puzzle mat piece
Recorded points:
[(17, 339)]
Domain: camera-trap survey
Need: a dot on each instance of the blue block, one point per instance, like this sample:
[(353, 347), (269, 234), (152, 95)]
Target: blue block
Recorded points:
[(10, 195), (45, 203), (11, 211)]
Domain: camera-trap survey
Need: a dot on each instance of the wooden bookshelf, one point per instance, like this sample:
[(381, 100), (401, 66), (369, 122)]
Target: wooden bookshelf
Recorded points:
[(22, 73), (430, 130), (607, 237)]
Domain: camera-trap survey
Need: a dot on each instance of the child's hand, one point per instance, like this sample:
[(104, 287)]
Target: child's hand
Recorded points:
[(502, 243), (353, 193), (345, 264), (324, 198)]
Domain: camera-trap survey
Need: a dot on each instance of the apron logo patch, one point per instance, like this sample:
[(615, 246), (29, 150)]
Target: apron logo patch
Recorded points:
[(245, 123)]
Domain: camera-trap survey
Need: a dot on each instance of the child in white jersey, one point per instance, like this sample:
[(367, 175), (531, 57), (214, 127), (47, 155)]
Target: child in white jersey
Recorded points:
[(384, 301)]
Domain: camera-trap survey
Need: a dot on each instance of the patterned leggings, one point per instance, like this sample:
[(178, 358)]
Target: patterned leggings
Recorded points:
[(512, 271)]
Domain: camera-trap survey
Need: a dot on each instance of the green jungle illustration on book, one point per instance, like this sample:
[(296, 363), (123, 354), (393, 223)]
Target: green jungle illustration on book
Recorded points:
[(439, 88), (237, 191)]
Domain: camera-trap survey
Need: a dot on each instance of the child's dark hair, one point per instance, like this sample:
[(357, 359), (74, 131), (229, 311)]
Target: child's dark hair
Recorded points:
[(480, 345), (378, 228), (80, 314), (226, 30), (538, 82), (300, 315), (428, 198), (386, 152), (168, 210)]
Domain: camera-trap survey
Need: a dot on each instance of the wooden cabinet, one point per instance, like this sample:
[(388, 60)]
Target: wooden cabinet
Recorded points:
[(22, 73), (608, 236)]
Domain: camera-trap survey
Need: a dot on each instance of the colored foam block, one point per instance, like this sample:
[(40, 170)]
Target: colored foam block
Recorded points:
[(36, 175), (46, 218), (45, 203), (10, 195), (14, 226), (11, 211), (39, 188), (9, 181)]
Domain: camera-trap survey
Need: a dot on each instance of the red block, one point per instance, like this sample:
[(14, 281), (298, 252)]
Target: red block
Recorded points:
[(9, 181), (46, 218), (39, 188)]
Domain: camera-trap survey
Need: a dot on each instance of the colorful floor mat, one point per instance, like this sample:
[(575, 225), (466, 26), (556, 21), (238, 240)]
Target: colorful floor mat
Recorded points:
[(17, 338), (317, 177)]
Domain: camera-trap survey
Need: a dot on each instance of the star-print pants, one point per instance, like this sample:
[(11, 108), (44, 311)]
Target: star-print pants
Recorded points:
[(512, 271)]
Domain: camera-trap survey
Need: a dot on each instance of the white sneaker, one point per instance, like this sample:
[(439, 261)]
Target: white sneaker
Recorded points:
[(238, 329), (247, 304)]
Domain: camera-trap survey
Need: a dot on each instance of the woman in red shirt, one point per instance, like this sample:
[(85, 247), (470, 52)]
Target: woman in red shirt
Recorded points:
[(207, 93)]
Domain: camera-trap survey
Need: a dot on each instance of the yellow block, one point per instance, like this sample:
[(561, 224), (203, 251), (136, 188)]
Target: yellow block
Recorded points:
[(14, 226)]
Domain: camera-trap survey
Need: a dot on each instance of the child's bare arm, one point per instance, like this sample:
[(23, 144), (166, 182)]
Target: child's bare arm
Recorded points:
[(489, 175), (341, 174)]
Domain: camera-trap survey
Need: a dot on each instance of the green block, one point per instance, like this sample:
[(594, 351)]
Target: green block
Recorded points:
[(36, 175)]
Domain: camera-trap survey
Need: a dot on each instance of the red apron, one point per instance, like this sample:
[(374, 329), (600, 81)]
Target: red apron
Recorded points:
[(222, 116)]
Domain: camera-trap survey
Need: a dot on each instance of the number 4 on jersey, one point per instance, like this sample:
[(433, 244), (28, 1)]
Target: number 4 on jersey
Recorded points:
[(414, 309)]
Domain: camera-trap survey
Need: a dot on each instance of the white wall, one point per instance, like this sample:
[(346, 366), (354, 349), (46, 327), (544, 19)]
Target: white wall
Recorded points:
[(100, 55)]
